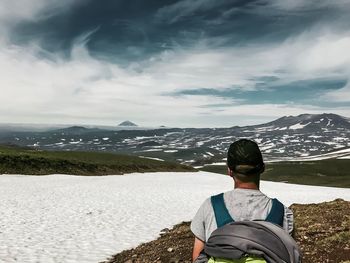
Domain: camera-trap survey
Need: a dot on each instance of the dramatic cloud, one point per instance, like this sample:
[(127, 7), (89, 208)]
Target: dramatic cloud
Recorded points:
[(179, 63), (183, 9)]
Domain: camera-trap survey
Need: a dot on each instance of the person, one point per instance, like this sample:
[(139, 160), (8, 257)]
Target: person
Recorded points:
[(245, 202)]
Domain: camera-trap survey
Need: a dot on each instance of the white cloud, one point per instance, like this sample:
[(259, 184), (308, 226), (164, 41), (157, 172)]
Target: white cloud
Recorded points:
[(87, 90), (307, 56), (325, 53), (31, 10), (341, 95), (306, 5), (84, 89), (14, 11)]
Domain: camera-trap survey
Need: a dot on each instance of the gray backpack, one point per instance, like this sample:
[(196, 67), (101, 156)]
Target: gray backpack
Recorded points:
[(260, 239)]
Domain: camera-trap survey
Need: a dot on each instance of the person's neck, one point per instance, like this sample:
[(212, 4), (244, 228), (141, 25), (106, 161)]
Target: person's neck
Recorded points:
[(241, 185)]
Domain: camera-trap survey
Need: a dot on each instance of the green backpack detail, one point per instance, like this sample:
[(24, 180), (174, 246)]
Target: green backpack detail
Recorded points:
[(248, 259)]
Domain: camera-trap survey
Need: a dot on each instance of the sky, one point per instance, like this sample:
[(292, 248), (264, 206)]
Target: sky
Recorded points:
[(186, 63)]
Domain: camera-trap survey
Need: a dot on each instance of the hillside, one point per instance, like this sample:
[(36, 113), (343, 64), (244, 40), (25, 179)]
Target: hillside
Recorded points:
[(303, 137), (329, 172), (16, 160), (322, 232)]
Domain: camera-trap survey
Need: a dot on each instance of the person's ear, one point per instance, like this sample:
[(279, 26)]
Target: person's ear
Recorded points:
[(229, 172)]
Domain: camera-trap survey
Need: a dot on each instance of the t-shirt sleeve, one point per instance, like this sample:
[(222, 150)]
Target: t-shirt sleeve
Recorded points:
[(288, 220), (197, 224)]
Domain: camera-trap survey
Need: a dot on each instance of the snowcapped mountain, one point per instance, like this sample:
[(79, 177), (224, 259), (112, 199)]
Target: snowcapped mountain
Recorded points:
[(303, 137), (309, 122)]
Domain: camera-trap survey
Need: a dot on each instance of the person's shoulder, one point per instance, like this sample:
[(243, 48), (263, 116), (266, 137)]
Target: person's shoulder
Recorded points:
[(206, 206), (203, 211), (207, 201)]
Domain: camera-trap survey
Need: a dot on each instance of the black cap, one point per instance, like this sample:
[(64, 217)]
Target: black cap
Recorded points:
[(245, 152)]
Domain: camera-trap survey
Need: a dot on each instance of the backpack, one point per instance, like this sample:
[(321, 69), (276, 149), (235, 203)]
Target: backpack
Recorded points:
[(249, 241)]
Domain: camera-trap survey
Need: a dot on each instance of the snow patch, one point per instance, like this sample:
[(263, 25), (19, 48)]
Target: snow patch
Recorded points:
[(298, 126), (74, 142), (63, 218), (216, 164), (315, 136), (198, 144), (258, 140), (152, 150), (143, 137), (266, 128), (152, 158), (329, 122)]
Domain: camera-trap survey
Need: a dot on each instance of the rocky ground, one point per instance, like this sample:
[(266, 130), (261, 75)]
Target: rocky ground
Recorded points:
[(322, 232)]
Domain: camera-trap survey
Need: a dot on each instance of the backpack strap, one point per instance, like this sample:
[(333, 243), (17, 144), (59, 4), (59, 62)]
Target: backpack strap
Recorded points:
[(276, 214), (222, 215)]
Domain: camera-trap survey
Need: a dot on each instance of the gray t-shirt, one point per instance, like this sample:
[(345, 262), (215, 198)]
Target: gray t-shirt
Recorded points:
[(242, 204)]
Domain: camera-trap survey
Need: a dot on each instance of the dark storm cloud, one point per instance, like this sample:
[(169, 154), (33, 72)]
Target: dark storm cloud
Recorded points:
[(119, 28), (126, 31)]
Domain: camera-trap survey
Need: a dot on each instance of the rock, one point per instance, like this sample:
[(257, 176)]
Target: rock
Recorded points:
[(170, 249), (165, 230)]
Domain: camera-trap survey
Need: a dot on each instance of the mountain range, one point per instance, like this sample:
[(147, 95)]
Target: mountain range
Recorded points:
[(290, 138)]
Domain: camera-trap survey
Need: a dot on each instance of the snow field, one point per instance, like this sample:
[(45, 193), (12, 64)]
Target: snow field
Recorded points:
[(64, 218)]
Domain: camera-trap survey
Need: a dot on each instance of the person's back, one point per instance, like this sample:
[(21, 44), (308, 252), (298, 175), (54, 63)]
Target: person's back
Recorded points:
[(244, 202)]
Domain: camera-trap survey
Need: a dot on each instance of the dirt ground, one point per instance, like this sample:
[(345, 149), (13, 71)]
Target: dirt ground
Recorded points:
[(322, 232)]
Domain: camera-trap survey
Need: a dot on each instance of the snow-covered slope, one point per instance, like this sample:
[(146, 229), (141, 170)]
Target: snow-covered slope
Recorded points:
[(62, 218)]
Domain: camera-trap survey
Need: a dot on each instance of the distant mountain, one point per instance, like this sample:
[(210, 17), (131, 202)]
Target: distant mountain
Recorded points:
[(127, 124), (290, 138), (308, 122), (73, 129), (19, 127)]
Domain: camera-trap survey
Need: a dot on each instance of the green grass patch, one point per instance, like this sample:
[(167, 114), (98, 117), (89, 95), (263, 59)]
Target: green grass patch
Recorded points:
[(331, 172), (18, 160)]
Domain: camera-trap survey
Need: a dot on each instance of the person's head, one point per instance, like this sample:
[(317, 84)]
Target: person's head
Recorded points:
[(245, 162)]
